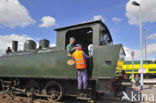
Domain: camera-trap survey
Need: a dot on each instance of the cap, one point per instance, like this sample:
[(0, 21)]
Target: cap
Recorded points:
[(77, 45), (72, 39)]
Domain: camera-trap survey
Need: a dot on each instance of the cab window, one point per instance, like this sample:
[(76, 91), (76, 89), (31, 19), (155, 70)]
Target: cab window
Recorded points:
[(104, 38)]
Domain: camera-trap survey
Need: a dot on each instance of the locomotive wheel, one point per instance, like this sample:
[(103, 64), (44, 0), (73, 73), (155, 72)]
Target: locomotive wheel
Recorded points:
[(32, 88), (54, 90)]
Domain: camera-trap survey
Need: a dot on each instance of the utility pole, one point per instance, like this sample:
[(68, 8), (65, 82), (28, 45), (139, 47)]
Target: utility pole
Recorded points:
[(145, 45), (141, 48), (132, 55)]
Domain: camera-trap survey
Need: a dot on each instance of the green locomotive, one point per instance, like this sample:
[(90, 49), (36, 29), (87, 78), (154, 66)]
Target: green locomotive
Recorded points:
[(46, 71)]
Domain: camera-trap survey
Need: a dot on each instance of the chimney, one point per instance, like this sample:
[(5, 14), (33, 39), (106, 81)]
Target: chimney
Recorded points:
[(44, 43)]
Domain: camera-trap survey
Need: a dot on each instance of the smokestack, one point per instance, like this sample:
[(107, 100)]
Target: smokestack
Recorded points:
[(14, 46)]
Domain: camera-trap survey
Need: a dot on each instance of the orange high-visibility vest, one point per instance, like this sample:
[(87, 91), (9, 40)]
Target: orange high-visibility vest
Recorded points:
[(79, 60)]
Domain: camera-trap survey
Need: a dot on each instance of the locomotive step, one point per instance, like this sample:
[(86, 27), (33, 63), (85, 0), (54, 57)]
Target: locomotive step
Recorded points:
[(83, 98)]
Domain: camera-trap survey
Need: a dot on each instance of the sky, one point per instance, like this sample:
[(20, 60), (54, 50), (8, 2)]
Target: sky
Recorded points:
[(36, 19)]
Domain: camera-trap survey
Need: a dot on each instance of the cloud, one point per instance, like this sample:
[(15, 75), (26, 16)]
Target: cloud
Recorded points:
[(98, 17), (13, 13), (47, 21), (151, 48), (128, 53), (116, 20), (150, 51), (52, 45), (153, 36), (6, 41), (148, 9)]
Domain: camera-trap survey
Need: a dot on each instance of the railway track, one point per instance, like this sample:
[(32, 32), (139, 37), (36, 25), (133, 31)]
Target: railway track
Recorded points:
[(18, 99), (5, 98)]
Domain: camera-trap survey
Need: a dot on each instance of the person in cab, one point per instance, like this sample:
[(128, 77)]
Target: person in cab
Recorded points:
[(70, 47)]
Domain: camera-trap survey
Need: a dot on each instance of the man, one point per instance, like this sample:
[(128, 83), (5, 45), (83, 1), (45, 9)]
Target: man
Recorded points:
[(132, 79), (8, 51), (70, 47), (80, 60), (137, 82)]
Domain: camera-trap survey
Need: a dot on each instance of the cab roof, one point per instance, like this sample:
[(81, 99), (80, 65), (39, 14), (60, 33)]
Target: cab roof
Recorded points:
[(85, 23)]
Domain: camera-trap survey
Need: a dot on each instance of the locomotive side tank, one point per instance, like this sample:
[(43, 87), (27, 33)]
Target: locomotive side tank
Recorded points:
[(52, 64)]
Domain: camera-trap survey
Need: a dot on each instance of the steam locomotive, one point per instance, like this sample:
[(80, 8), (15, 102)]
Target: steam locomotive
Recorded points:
[(48, 71)]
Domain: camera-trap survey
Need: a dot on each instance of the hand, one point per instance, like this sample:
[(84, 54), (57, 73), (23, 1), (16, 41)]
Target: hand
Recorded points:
[(90, 55), (74, 48)]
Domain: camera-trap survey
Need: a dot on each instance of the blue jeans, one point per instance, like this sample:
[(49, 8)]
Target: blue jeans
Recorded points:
[(82, 78)]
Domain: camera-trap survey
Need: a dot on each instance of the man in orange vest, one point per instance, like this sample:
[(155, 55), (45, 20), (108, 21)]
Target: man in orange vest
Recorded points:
[(80, 60)]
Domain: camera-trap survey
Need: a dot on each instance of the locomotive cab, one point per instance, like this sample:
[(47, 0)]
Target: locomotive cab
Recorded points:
[(97, 34)]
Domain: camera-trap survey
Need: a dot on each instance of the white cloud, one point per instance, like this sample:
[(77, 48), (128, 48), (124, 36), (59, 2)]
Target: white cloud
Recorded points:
[(148, 9), (116, 20), (128, 53), (153, 36), (52, 45), (6, 41), (13, 13), (98, 17), (47, 21), (151, 49)]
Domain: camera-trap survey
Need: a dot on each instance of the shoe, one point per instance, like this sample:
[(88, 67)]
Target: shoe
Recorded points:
[(85, 93), (81, 95)]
